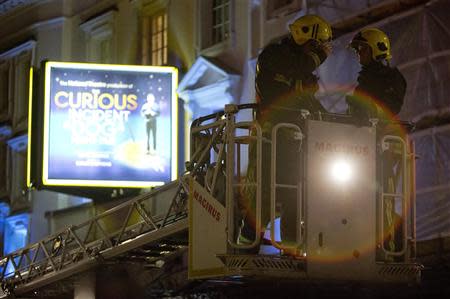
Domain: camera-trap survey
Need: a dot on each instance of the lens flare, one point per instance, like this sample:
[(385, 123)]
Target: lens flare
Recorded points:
[(388, 125), (341, 171)]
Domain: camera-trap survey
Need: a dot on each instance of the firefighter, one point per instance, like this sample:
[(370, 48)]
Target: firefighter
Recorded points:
[(381, 88), (379, 94), (285, 84)]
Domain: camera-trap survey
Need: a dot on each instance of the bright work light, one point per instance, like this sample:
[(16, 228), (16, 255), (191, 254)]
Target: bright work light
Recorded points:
[(341, 171)]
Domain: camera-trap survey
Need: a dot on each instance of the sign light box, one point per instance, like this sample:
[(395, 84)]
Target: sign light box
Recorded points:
[(109, 125)]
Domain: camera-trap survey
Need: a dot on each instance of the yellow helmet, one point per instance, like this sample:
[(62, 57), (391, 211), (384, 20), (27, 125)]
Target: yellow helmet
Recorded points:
[(376, 39), (310, 27)]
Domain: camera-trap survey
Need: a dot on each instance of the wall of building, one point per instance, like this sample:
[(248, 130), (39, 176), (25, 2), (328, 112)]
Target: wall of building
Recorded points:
[(62, 31), (181, 32)]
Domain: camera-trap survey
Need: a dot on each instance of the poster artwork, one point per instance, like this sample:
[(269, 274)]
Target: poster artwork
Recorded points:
[(109, 126)]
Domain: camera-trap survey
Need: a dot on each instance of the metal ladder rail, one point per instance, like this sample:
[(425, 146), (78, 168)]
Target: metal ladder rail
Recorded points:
[(274, 185), (38, 282), (198, 155), (214, 129), (233, 140), (199, 164), (412, 194), (67, 248), (230, 200), (39, 261), (404, 195), (222, 139), (57, 258)]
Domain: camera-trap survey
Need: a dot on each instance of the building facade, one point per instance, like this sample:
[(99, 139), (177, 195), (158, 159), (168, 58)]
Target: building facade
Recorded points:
[(214, 44)]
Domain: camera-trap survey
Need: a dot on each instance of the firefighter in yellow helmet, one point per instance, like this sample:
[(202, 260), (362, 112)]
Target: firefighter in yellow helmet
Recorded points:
[(310, 27), (381, 88), (284, 71), (285, 84)]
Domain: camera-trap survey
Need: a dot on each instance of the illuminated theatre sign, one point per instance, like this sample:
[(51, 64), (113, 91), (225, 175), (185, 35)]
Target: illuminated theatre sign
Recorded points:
[(109, 125)]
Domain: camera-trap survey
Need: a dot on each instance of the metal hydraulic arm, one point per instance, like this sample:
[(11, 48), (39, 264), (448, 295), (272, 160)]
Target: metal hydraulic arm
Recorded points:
[(142, 220), (148, 218)]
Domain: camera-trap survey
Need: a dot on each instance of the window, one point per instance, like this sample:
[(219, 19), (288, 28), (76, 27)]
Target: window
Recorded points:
[(100, 38), (159, 39), (154, 39), (214, 26), (14, 81), (221, 20)]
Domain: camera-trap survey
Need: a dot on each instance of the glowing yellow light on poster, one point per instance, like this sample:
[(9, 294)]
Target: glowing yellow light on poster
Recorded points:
[(30, 126), (109, 125)]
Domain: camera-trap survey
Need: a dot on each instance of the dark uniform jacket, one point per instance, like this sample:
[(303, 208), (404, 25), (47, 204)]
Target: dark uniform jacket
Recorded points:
[(285, 79), (383, 84), (285, 84)]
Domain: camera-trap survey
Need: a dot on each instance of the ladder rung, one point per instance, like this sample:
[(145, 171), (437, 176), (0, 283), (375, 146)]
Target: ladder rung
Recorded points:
[(393, 195), (286, 186)]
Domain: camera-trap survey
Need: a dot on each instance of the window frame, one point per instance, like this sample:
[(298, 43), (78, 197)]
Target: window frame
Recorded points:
[(152, 53), (205, 28), (221, 21)]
